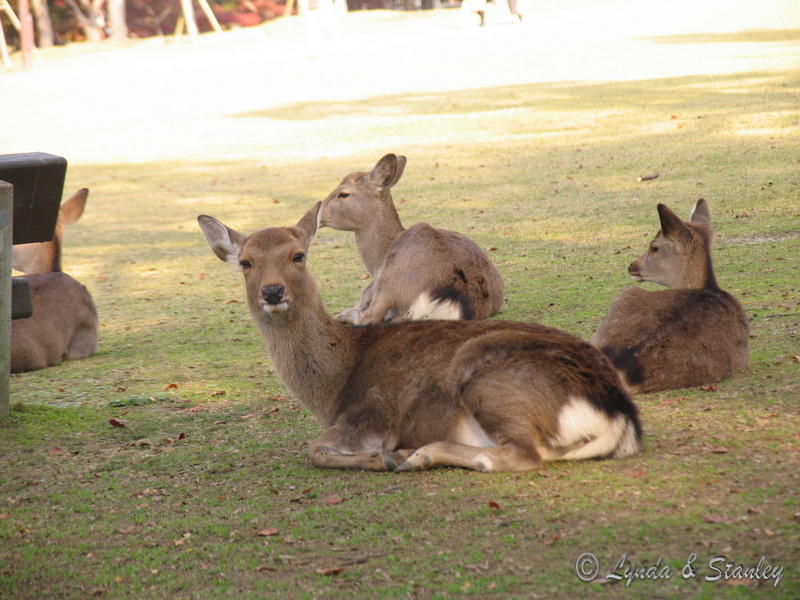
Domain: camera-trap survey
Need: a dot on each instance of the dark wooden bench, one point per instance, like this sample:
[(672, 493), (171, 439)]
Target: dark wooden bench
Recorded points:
[(31, 185)]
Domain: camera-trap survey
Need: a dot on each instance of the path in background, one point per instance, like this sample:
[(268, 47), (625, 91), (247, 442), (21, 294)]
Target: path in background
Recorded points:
[(171, 99)]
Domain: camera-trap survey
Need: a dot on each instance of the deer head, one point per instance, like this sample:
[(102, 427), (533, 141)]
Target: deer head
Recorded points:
[(361, 198), (273, 262), (680, 255)]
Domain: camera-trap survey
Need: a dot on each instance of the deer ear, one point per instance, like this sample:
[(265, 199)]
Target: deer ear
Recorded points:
[(226, 243), (387, 171), (672, 226), (72, 209), (309, 224), (700, 213)]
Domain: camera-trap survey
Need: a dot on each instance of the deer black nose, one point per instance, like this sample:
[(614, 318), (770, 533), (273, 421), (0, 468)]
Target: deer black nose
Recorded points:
[(273, 294)]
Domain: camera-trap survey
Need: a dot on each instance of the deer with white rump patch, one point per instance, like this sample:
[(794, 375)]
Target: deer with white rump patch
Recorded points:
[(488, 395), (64, 322), (692, 334), (418, 273)]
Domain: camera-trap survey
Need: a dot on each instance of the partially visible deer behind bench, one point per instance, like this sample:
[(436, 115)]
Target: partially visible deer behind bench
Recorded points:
[(418, 273), (64, 322), (692, 334), (488, 395)]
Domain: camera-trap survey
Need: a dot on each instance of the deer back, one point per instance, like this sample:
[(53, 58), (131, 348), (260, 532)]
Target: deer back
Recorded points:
[(426, 266), (63, 325)]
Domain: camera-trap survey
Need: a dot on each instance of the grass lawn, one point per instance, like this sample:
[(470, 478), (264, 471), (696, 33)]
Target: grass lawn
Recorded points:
[(529, 138)]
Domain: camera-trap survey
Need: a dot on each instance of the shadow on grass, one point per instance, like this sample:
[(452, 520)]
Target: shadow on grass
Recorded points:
[(567, 96), (750, 36)]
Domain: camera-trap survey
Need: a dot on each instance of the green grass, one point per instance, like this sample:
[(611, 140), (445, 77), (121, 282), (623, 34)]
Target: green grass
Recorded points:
[(170, 505)]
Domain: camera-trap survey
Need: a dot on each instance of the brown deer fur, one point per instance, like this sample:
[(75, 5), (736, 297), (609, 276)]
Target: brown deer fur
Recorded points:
[(63, 325), (490, 395), (418, 273), (692, 334), (64, 322)]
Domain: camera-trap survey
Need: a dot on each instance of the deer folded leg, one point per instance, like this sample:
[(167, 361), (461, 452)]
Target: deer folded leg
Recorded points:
[(508, 457), (377, 310), (328, 452), (326, 457)]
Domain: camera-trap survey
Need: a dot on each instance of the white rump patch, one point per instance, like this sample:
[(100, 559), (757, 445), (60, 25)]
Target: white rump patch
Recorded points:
[(469, 432), (590, 433), (426, 308)]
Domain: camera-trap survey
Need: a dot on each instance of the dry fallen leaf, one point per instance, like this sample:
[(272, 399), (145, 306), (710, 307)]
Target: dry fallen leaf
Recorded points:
[(329, 570), (219, 393), (364, 276), (3, 516), (638, 473), (127, 530), (720, 450), (494, 505), (715, 519), (668, 401), (708, 388), (115, 422), (333, 500), (56, 451), (269, 531), (171, 386), (231, 301)]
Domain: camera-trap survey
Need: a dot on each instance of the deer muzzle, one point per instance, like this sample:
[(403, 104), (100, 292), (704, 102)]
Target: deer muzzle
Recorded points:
[(273, 296)]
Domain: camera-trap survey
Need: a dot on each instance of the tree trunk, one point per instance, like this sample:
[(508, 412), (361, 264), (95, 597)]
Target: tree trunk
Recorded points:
[(117, 19), (90, 17), (44, 26), (188, 16)]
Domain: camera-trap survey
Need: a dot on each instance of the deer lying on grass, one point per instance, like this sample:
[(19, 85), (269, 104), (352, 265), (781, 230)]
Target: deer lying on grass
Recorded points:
[(692, 334), (64, 320), (489, 395), (418, 273)]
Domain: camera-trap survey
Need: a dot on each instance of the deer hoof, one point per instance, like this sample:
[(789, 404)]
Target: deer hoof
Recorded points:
[(406, 466), (416, 461), (351, 316)]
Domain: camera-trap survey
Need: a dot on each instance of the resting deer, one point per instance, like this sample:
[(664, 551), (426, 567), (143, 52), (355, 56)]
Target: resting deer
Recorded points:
[(692, 334), (64, 321), (418, 273), (489, 395)]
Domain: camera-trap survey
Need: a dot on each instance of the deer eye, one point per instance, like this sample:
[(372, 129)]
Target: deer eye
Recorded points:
[(298, 258), (653, 248), (343, 195), (245, 264)]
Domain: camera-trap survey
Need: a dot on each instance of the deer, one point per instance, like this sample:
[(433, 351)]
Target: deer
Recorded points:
[(692, 334), (63, 324), (417, 273), (410, 395)]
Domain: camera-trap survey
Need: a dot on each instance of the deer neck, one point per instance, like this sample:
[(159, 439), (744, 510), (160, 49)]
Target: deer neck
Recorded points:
[(313, 355), (701, 277), (373, 241), (699, 273)]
